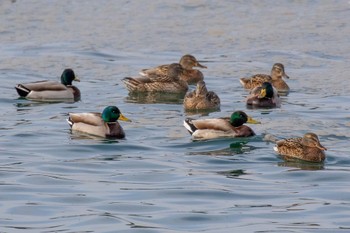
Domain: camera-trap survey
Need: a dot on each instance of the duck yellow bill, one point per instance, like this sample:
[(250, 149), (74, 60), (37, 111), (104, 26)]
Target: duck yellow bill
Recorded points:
[(123, 118), (262, 93), (77, 79), (250, 120)]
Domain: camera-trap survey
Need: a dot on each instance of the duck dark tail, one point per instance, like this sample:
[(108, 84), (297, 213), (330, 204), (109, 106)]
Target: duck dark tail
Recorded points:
[(22, 90), (70, 122), (189, 125)]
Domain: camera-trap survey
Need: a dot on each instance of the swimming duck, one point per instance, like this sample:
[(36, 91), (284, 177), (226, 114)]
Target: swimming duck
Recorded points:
[(307, 148), (221, 127), (277, 73), (51, 90), (103, 125), (190, 75), (170, 83), (201, 99), (265, 96)]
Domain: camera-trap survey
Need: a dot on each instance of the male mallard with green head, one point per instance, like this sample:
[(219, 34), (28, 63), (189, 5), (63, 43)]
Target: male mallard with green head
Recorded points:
[(277, 73), (264, 96), (170, 83), (307, 148), (51, 90), (187, 62), (221, 127), (103, 125), (201, 99)]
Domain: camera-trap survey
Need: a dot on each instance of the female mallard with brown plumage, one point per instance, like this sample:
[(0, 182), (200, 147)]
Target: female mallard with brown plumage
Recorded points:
[(187, 62), (307, 148), (277, 73), (221, 127), (103, 125), (170, 83), (201, 99), (264, 96), (51, 90)]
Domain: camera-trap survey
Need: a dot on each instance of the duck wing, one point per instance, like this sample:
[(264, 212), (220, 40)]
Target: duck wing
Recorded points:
[(212, 124), (43, 86), (290, 147), (212, 97), (90, 118), (159, 70), (255, 80)]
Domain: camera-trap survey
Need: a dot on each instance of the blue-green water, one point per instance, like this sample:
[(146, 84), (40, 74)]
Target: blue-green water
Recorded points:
[(158, 179)]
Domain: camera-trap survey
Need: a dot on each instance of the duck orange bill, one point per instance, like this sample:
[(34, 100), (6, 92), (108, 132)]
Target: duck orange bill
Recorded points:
[(123, 118), (250, 120), (200, 65), (319, 146)]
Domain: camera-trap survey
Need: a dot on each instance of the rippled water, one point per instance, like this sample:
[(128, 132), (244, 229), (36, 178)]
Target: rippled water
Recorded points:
[(158, 179)]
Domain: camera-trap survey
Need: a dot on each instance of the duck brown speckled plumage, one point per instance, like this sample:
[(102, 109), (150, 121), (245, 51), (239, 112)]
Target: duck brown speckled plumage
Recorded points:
[(170, 83), (201, 99), (307, 148), (277, 73), (187, 62)]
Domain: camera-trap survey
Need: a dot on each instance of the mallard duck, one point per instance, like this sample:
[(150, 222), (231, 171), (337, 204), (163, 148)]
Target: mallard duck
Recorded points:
[(51, 90), (264, 96), (103, 125), (277, 73), (201, 99), (171, 83), (190, 75), (221, 127), (307, 148)]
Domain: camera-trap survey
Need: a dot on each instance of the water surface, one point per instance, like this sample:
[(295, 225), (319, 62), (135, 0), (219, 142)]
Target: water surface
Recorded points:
[(158, 179)]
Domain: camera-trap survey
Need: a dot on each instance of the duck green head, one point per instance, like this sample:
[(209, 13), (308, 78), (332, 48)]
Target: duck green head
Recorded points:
[(188, 62), (266, 90), (238, 118), (111, 114), (68, 76)]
